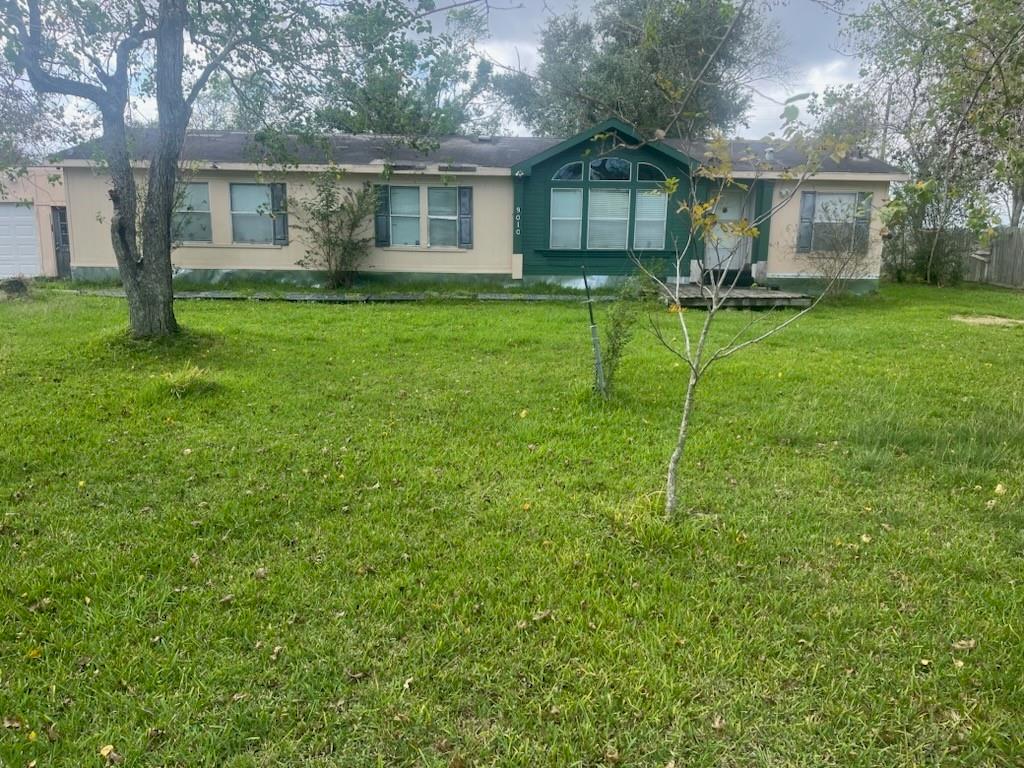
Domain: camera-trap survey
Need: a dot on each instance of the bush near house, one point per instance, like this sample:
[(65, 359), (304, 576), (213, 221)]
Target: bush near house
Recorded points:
[(454, 554)]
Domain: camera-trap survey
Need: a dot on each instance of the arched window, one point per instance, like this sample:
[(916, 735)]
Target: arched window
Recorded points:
[(569, 172), (649, 172), (610, 169)]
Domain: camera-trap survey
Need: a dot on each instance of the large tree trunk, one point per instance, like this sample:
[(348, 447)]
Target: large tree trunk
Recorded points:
[(1016, 205), (144, 266), (144, 259), (155, 316)]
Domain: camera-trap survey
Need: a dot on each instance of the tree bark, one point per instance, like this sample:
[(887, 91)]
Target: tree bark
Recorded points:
[(1016, 205), (152, 310), (671, 494)]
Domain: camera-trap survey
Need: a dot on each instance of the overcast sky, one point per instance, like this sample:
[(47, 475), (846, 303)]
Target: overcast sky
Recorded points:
[(813, 51)]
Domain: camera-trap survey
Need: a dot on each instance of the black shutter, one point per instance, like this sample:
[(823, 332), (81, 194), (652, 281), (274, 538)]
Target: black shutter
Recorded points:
[(279, 209), (806, 231), (465, 217), (862, 222), (381, 221)]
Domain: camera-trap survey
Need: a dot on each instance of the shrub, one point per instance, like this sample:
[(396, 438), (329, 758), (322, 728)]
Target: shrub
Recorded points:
[(337, 225)]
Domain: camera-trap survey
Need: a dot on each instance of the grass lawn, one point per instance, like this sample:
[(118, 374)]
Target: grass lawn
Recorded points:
[(408, 535)]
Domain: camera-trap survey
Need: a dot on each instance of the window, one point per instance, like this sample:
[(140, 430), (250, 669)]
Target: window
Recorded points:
[(649, 172), (449, 216), (258, 214), (191, 221), (649, 227), (608, 219), (834, 221), (610, 169), (405, 216), (443, 216), (566, 218), (569, 172)]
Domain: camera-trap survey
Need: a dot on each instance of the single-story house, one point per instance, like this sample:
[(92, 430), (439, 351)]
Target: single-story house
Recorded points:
[(34, 236), (518, 208)]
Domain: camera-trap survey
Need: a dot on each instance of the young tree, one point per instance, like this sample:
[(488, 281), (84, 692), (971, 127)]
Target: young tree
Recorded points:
[(700, 200), (639, 60), (337, 226)]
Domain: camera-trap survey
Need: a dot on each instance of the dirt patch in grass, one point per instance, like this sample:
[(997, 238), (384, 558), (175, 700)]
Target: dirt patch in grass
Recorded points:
[(1004, 322)]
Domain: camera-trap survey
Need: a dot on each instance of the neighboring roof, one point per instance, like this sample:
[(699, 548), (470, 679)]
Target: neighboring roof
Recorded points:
[(235, 147)]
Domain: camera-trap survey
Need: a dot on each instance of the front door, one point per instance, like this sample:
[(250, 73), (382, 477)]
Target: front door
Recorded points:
[(62, 241), (727, 251)]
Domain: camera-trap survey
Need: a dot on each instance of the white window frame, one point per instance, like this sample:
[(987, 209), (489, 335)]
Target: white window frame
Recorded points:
[(392, 216), (453, 217), (650, 181), (208, 212), (580, 163), (268, 213), (629, 211), (664, 218), (552, 219), (592, 180), (850, 220)]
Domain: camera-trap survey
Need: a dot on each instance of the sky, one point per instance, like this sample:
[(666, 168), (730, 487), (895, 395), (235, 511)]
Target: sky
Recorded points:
[(813, 51)]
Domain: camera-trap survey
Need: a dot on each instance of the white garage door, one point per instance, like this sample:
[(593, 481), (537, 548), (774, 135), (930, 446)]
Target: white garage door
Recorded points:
[(19, 246)]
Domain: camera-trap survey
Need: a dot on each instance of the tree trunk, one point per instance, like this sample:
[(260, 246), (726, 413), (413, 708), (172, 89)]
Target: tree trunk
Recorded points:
[(671, 494), (155, 315), (1016, 205)]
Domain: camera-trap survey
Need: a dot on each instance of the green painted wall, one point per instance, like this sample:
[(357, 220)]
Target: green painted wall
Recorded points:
[(533, 195)]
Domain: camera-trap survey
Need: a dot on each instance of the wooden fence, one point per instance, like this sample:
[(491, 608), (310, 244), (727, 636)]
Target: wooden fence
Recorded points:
[(1001, 263)]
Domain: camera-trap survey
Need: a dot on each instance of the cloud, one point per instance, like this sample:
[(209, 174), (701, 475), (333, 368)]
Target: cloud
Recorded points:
[(765, 110)]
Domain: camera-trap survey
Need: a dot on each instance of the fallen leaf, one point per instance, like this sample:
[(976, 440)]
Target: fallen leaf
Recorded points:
[(227, 599), (241, 696), (52, 733), (718, 723), (111, 755), (1000, 490), (407, 684), (260, 573), (34, 653), (542, 615), (12, 723), (276, 652), (866, 538), (33, 736), (990, 504), (526, 506), (194, 559), (611, 755), (964, 644), (958, 663), (523, 413)]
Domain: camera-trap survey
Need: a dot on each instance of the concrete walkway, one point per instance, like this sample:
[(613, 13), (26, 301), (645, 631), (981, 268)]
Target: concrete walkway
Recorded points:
[(749, 298)]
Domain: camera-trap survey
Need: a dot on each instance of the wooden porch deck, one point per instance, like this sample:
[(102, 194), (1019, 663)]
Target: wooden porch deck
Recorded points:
[(748, 298)]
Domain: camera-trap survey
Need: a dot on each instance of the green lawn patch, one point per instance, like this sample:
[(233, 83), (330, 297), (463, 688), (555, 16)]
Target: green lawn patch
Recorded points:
[(399, 534)]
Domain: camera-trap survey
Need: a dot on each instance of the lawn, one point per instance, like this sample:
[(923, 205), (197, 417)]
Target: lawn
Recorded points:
[(409, 535)]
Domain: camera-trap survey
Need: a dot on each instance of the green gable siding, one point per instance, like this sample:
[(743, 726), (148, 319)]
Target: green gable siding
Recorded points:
[(533, 195)]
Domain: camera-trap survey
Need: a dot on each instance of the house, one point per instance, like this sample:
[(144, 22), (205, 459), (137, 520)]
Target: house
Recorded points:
[(518, 208), (34, 225)]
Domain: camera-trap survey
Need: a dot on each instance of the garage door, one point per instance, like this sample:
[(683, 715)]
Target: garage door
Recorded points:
[(19, 246)]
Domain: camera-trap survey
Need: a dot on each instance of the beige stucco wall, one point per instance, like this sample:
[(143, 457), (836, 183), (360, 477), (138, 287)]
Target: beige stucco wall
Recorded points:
[(492, 228), (783, 259), (43, 187)]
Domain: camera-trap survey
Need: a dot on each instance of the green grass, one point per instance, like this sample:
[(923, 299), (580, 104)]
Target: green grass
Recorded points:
[(442, 551)]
